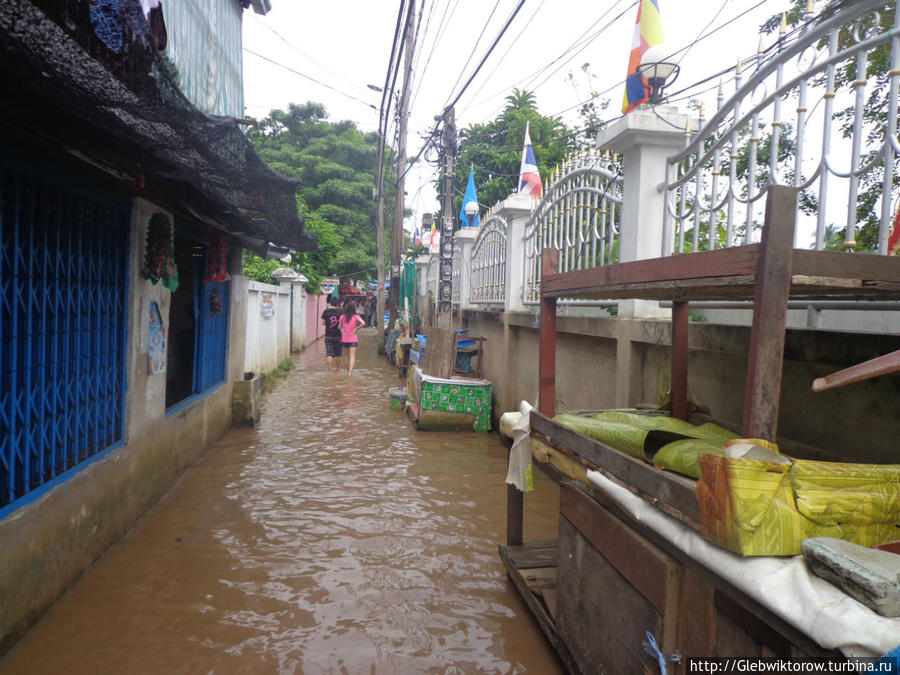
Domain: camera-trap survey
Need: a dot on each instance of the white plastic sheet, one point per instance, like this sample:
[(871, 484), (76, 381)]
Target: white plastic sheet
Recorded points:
[(520, 453), (783, 585)]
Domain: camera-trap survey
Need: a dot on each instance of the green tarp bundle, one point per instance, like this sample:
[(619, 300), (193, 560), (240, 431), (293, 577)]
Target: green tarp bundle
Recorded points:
[(667, 442)]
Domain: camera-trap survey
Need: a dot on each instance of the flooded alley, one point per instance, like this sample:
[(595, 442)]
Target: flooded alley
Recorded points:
[(331, 538)]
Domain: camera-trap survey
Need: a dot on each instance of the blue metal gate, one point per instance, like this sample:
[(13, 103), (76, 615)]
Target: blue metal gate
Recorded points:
[(212, 334), (63, 319)]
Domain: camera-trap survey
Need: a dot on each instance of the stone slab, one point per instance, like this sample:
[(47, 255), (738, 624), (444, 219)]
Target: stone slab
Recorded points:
[(868, 575)]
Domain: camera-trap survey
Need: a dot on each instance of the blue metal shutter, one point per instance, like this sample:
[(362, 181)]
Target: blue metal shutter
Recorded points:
[(63, 319)]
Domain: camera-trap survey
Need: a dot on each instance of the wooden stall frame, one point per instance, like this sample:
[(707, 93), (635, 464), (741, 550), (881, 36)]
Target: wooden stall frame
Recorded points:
[(768, 274)]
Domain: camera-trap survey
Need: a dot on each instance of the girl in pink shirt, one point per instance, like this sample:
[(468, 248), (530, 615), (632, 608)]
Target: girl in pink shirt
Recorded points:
[(350, 322)]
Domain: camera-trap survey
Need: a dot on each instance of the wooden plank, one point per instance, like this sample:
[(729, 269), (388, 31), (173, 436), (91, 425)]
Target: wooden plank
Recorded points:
[(653, 573), (773, 279), (539, 610), (440, 353), (727, 262), (846, 265), (721, 586), (515, 506), (668, 488), (741, 629), (600, 615), (533, 554), (680, 328), (547, 356), (539, 578), (551, 599), (697, 611), (738, 287)]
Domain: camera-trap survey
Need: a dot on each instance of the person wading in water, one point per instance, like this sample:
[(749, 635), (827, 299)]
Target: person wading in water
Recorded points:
[(331, 318), (350, 322)]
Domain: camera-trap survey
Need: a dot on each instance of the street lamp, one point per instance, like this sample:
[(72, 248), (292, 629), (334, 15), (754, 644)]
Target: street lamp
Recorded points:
[(471, 212), (659, 72)]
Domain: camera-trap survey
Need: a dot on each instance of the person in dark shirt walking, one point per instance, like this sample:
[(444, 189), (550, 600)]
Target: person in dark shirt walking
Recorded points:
[(331, 320)]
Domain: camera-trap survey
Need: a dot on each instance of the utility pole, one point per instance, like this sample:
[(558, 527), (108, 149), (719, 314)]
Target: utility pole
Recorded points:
[(448, 166), (400, 199), (379, 238)]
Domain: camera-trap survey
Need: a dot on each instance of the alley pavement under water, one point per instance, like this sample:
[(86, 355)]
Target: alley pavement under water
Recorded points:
[(332, 538)]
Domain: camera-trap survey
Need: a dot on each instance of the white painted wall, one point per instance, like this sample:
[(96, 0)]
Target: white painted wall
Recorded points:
[(268, 338)]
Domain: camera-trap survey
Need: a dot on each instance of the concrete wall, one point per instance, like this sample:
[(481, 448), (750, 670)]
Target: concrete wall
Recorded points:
[(315, 305), (268, 335), (47, 543), (860, 421)]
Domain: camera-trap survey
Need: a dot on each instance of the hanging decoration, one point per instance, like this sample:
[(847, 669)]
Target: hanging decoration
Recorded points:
[(215, 302), (217, 262), (159, 257), (107, 22), (156, 23)]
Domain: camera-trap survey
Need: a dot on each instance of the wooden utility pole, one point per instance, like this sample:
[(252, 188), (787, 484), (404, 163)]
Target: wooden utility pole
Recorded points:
[(379, 237), (400, 199), (448, 166)]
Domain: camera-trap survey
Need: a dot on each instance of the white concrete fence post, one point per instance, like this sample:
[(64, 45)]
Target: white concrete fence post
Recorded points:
[(298, 320), (515, 210), (465, 237), (646, 138)]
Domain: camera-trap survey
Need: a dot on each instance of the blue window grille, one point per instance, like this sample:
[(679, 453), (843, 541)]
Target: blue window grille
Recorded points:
[(63, 275), (212, 336)]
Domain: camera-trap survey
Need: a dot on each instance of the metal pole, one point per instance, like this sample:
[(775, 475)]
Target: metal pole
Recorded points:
[(379, 230), (399, 201)]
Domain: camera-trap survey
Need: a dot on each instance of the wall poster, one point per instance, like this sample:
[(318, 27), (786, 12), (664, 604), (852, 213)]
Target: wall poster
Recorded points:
[(156, 341)]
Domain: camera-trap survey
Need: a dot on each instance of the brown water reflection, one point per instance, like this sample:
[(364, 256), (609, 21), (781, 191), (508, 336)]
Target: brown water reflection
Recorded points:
[(332, 538)]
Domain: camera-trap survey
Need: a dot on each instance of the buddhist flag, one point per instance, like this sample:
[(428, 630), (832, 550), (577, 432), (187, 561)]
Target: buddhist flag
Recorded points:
[(471, 196), (647, 32), (431, 240), (529, 176)]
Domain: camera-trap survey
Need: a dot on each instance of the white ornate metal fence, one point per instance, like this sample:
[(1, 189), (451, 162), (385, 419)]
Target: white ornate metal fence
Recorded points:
[(457, 272), (579, 215), (489, 262), (767, 133)]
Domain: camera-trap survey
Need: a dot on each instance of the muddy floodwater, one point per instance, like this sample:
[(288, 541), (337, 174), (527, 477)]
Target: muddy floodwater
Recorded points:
[(333, 538)]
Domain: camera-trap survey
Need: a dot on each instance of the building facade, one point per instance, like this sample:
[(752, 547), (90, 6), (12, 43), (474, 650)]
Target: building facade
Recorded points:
[(127, 195)]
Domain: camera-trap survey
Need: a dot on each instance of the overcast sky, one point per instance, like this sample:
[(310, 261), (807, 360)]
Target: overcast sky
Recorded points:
[(330, 51)]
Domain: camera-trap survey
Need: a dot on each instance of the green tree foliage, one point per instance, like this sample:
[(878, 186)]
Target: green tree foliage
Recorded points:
[(310, 264), (875, 111), (495, 149), (335, 163)]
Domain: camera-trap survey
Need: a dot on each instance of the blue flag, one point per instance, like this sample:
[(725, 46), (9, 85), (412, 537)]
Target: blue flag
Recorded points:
[(471, 196)]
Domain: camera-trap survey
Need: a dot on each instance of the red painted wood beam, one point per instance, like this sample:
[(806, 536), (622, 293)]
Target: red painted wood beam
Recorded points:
[(547, 365), (724, 262)]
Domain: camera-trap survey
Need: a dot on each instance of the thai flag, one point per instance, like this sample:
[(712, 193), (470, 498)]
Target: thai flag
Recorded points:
[(417, 237), (529, 176), (647, 32)]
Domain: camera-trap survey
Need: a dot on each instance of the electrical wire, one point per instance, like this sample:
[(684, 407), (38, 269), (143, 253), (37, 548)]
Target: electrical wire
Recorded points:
[(333, 73), (503, 57), (465, 86), (581, 42), (474, 47), (440, 33), (308, 77)]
